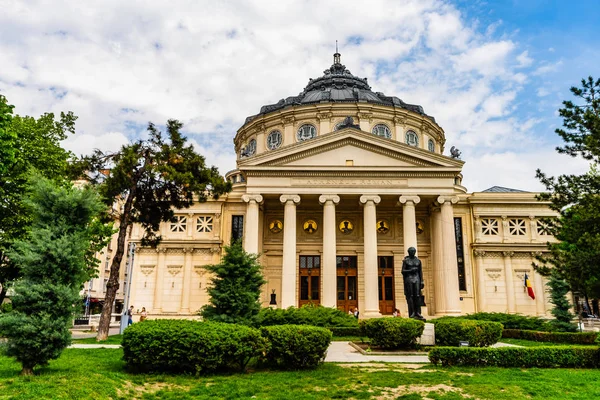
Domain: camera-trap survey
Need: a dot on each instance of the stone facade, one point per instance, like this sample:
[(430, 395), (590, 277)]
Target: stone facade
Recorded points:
[(332, 213)]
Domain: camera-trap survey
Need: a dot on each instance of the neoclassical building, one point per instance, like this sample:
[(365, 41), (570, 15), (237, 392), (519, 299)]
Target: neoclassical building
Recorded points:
[(332, 187)]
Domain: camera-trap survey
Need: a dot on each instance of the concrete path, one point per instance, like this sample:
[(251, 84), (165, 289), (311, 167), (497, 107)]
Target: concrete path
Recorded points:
[(499, 344), (343, 352), (77, 334)]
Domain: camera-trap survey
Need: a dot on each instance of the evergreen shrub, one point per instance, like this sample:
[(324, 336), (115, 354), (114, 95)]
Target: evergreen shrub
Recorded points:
[(178, 346), (306, 315), (392, 333), (345, 331), (517, 357), (450, 332), (296, 346), (513, 321), (554, 337)]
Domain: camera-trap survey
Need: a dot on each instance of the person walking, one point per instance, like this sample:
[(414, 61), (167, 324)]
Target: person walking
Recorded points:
[(130, 316), (143, 315)]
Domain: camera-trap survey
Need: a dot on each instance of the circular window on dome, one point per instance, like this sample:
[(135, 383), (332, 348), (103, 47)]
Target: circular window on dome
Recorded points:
[(305, 132), (274, 140), (431, 145), (382, 130), (251, 148), (412, 139)]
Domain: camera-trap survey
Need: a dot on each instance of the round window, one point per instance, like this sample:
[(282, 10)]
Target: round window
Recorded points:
[(305, 132), (274, 140), (412, 139), (431, 145), (382, 130)]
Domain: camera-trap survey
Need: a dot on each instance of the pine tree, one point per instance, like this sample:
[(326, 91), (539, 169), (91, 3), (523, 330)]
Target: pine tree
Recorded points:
[(54, 267), (235, 287), (562, 309)]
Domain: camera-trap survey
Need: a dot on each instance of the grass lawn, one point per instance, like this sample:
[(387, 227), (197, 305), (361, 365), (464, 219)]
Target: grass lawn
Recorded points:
[(99, 374), (114, 339)]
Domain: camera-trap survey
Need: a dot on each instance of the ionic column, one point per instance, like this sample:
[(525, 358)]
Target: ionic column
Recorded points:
[(479, 254), (251, 228), (438, 261), (187, 280), (540, 294), (449, 264), (328, 264), (509, 281), (288, 268), (409, 221), (160, 280), (370, 258)]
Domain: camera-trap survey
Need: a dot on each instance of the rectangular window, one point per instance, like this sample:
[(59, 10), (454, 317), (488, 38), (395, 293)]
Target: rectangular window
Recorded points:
[(179, 224), (489, 226), (237, 227), (460, 253), (204, 224), (516, 227), (346, 261)]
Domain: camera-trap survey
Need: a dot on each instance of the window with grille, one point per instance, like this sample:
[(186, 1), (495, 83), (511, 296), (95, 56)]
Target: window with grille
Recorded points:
[(543, 227), (237, 227), (382, 130), (460, 253), (412, 139), (346, 261), (179, 224), (489, 226), (516, 227), (204, 224), (310, 262)]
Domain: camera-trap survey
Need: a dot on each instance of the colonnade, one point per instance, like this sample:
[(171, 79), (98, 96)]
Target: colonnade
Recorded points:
[(446, 289)]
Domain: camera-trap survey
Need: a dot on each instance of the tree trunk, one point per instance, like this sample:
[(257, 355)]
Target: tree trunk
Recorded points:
[(3, 293), (27, 371), (113, 279)]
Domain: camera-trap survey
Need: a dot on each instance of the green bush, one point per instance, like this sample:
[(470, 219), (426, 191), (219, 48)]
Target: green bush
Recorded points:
[(190, 346), (555, 337), (450, 332), (345, 330), (517, 357), (392, 333), (513, 321), (296, 346), (306, 315)]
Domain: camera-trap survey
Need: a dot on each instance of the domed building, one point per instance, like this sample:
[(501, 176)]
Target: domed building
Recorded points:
[(332, 187)]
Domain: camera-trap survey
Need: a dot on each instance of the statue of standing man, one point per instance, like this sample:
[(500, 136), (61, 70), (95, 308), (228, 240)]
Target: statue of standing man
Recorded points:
[(412, 271)]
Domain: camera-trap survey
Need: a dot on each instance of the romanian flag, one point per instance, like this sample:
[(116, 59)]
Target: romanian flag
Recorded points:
[(527, 284)]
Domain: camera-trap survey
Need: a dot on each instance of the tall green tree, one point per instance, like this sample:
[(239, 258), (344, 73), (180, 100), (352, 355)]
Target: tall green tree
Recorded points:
[(148, 179), (26, 144), (235, 287), (52, 260), (576, 258)]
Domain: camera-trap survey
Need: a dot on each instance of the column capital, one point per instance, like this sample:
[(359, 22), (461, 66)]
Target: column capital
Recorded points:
[(252, 197), (508, 254), (324, 198), (364, 199), (447, 199), (414, 199), (284, 198)]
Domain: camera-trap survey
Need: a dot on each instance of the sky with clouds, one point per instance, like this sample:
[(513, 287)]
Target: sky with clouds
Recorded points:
[(492, 73)]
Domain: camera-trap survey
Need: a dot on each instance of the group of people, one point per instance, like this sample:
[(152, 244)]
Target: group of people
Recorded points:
[(130, 312)]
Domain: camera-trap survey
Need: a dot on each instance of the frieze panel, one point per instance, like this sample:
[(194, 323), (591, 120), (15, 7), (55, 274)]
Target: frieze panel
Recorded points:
[(494, 273), (350, 182), (174, 269), (147, 269)]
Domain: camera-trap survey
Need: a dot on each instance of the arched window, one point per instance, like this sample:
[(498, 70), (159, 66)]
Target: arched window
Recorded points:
[(412, 139), (251, 148), (431, 145), (274, 140), (382, 130), (305, 132)]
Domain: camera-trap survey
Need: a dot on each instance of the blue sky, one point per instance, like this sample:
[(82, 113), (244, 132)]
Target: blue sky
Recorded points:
[(492, 73)]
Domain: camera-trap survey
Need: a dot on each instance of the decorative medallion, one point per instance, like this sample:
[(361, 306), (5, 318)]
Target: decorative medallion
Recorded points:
[(346, 227), (383, 226), (276, 226), (310, 226), (420, 227)]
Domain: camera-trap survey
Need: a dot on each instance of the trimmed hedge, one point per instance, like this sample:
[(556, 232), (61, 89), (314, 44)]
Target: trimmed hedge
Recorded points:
[(513, 321), (392, 333), (296, 346), (345, 331), (450, 332), (190, 346), (519, 357), (555, 337), (306, 315)]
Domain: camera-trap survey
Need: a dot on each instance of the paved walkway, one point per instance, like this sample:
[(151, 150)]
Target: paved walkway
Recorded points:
[(343, 352)]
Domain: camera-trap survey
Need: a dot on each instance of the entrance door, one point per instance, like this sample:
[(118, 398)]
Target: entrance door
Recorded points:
[(347, 283), (310, 280), (386, 284)]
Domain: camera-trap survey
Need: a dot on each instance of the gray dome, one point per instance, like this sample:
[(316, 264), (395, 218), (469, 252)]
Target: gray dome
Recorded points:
[(338, 85)]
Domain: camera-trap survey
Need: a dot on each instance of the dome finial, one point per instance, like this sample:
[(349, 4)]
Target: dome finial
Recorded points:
[(337, 55)]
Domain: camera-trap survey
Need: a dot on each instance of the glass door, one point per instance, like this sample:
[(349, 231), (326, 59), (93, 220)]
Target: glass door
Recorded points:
[(386, 284), (310, 280), (347, 283)]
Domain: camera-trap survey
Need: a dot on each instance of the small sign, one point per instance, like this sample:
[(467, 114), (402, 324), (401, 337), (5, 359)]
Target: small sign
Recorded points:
[(463, 344)]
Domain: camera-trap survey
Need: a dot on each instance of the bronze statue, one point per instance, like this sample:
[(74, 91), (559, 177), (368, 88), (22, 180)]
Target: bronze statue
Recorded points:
[(412, 271)]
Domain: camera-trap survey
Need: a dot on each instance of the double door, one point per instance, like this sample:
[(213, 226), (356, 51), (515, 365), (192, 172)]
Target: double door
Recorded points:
[(310, 280), (385, 277), (347, 283)]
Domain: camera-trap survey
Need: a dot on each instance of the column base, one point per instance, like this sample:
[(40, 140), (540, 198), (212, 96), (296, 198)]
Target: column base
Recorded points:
[(370, 314), (451, 313)]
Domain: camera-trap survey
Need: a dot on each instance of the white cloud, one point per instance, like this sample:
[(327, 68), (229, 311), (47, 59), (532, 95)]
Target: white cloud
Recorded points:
[(211, 64)]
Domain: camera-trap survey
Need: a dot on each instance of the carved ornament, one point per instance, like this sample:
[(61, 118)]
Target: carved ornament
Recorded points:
[(494, 273), (174, 269), (147, 269)]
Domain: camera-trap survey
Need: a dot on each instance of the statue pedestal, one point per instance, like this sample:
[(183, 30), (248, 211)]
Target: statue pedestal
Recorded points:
[(428, 336)]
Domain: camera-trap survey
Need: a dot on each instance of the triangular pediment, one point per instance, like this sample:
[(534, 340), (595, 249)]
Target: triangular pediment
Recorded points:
[(350, 148)]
